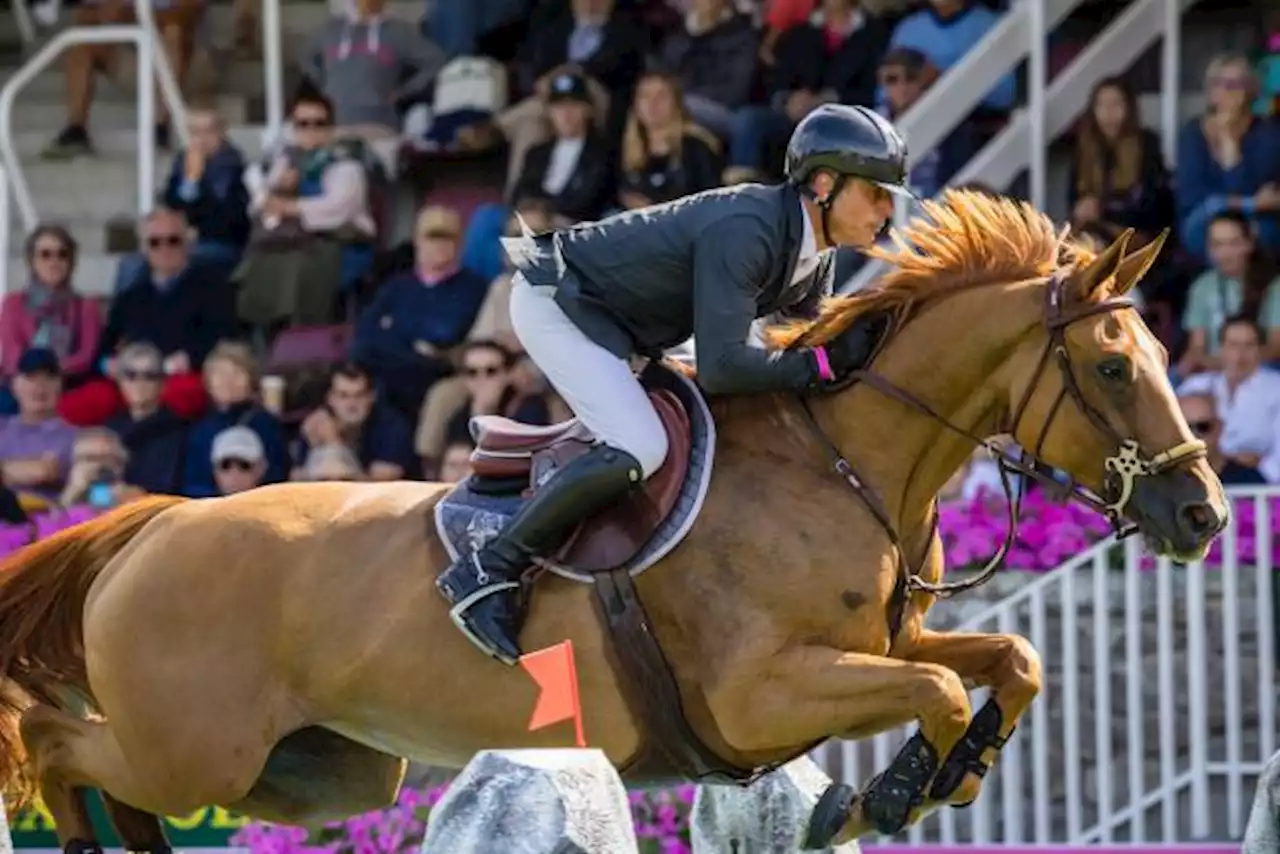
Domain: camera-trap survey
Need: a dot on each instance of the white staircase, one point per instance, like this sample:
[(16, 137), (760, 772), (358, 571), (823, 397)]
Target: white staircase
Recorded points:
[(1033, 128)]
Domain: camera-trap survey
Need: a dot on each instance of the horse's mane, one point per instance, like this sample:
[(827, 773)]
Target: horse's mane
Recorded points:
[(973, 239)]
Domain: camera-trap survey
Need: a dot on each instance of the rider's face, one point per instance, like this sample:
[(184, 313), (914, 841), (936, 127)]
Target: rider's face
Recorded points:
[(859, 212)]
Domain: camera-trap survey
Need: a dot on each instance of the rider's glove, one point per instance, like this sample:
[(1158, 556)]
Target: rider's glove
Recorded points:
[(848, 351)]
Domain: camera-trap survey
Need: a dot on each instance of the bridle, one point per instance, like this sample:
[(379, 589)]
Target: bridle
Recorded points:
[(1123, 468)]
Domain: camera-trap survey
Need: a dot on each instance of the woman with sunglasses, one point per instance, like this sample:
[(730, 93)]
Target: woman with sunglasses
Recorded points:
[(486, 370), (1228, 160), (49, 313)]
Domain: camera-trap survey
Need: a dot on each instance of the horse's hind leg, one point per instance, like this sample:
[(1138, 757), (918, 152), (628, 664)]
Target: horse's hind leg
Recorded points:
[(54, 742), (314, 776), (137, 829), (806, 693), (1007, 664)]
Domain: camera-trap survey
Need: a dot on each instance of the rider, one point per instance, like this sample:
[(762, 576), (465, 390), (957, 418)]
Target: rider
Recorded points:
[(588, 297)]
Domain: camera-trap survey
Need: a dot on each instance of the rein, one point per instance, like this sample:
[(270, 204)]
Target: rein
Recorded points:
[(1123, 468)]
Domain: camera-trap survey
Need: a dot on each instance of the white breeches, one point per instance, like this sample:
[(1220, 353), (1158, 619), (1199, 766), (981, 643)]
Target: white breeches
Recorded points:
[(599, 387)]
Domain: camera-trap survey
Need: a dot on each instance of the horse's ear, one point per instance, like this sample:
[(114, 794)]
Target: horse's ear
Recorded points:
[(1135, 266), (1103, 267)]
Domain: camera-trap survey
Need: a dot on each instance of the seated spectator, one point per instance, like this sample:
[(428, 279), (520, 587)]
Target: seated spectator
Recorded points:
[(603, 45), (176, 21), (833, 57), (352, 416), (461, 28), (179, 307), (238, 461), (35, 444), (905, 74), (781, 15), (404, 335), (572, 171), (97, 472), (713, 56), (1242, 281), (1247, 399), (366, 62), (1201, 413), (455, 463), (49, 313), (946, 30), (448, 394), (1118, 177), (206, 183), (1228, 160), (664, 154), (331, 462), (230, 375), (155, 438), (314, 230), (486, 366), (1268, 102)]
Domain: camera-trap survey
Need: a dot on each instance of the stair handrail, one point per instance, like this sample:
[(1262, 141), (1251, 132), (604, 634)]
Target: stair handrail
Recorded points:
[(153, 65), (1043, 128)]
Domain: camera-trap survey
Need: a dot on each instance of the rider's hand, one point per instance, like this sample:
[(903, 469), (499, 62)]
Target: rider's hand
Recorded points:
[(851, 349)]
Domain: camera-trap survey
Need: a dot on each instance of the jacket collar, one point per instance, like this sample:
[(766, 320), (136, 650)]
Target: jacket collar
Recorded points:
[(793, 229)]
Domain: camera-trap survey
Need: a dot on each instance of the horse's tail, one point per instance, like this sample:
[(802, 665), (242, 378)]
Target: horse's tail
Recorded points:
[(42, 594)]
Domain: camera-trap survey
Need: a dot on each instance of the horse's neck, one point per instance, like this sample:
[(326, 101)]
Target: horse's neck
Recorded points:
[(953, 357)]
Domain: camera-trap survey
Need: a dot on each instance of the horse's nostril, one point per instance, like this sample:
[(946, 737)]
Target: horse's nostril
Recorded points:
[(1200, 518)]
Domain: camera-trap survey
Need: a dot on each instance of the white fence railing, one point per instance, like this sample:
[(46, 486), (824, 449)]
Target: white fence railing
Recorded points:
[(153, 65), (1159, 708)]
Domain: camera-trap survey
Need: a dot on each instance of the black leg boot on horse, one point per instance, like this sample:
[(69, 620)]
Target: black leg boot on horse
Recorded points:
[(485, 588)]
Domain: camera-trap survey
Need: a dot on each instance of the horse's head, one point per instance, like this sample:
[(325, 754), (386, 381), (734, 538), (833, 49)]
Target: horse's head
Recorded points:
[(1091, 396)]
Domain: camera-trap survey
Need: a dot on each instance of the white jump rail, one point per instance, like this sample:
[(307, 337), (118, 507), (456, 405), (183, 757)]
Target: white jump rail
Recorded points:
[(153, 65), (1154, 722)]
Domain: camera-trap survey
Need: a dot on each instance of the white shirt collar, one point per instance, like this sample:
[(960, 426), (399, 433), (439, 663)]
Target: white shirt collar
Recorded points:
[(807, 259)]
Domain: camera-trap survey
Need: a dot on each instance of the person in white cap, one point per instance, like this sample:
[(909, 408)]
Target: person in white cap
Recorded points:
[(239, 460)]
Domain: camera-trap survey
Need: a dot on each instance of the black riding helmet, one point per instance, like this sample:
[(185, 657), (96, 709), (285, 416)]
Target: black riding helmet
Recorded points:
[(852, 142)]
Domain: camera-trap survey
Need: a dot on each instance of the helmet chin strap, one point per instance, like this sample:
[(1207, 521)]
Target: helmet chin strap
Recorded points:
[(824, 205)]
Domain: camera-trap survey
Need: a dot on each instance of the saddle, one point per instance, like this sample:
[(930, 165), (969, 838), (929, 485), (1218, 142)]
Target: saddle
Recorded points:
[(511, 457)]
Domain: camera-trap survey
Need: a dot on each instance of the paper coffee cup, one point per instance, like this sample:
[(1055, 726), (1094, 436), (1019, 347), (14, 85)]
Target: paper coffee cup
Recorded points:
[(273, 393)]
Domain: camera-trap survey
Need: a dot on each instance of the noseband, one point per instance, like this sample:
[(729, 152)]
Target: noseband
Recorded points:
[(1123, 468)]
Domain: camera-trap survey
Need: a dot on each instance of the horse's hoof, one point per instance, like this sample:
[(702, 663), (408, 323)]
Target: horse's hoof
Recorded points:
[(830, 814)]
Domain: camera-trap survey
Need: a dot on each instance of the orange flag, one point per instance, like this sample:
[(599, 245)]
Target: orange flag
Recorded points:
[(553, 669)]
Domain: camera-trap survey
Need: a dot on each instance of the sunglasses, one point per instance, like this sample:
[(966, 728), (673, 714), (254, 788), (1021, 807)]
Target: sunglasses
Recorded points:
[(53, 254), (153, 376), (1203, 428), (437, 235), (232, 464), (312, 124), (159, 240), (488, 371), (1231, 83), (893, 79)]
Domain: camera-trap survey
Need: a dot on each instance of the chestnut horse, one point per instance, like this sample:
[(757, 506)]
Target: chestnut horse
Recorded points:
[(279, 651)]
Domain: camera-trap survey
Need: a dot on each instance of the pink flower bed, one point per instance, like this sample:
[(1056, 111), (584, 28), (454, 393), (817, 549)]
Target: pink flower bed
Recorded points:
[(661, 823)]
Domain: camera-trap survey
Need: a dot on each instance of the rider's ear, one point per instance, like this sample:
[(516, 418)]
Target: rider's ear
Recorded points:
[(822, 185), (1103, 267), (1135, 266)]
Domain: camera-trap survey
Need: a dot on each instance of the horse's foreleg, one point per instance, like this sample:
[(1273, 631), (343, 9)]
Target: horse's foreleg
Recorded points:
[(806, 693), (1010, 667)]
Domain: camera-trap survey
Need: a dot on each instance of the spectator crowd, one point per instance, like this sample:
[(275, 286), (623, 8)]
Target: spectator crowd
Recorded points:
[(268, 328)]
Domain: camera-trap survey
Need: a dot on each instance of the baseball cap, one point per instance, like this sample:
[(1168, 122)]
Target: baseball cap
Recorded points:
[(569, 86), (237, 443), (39, 360)]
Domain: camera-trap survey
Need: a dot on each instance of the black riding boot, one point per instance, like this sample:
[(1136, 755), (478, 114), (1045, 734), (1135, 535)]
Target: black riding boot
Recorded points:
[(484, 588)]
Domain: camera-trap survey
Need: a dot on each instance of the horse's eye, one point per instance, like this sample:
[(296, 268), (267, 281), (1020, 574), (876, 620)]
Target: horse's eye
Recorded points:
[(1115, 369)]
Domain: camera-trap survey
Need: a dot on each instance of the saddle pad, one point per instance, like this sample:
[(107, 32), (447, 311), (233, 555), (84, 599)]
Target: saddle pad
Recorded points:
[(466, 520)]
